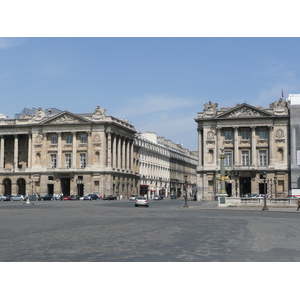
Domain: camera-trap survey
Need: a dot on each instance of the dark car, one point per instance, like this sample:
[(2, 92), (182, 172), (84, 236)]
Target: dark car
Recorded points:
[(173, 197), (47, 197), (91, 197), (74, 197), (34, 197)]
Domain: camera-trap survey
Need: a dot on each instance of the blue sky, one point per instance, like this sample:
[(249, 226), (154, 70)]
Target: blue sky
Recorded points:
[(158, 84)]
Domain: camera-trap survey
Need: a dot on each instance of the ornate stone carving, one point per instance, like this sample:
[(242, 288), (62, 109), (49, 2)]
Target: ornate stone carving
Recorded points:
[(65, 119), (39, 115), (279, 107), (210, 109), (245, 112), (99, 113), (38, 139), (279, 133)]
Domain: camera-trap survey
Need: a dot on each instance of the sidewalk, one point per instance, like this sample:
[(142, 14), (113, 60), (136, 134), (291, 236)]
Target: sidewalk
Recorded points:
[(214, 205)]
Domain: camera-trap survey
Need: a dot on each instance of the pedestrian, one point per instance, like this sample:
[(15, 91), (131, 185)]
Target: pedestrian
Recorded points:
[(298, 204)]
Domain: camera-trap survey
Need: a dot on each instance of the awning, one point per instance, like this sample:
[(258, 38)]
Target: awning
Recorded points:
[(144, 185)]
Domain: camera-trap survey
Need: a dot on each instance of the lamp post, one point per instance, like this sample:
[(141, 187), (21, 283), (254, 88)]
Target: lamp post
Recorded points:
[(222, 177), (185, 189), (275, 184), (265, 191)]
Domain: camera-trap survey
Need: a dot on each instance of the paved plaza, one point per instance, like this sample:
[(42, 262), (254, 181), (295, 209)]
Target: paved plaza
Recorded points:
[(116, 231)]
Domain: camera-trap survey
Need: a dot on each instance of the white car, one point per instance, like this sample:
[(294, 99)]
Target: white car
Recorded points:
[(17, 198), (133, 197), (141, 201)]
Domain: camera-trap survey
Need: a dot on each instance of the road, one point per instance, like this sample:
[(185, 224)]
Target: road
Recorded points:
[(116, 231)]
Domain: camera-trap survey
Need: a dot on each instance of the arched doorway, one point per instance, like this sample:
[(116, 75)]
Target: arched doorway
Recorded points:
[(7, 187), (21, 184)]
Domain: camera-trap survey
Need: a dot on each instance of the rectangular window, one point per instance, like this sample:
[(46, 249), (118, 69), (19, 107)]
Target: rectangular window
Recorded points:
[(228, 158), (54, 139), (53, 161), (262, 134), (82, 160), (262, 157), (68, 138), (245, 158), (83, 138), (68, 160), (228, 135), (245, 134)]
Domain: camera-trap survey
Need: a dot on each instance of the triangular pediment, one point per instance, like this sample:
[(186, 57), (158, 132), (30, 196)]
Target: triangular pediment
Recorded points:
[(244, 111), (65, 117)]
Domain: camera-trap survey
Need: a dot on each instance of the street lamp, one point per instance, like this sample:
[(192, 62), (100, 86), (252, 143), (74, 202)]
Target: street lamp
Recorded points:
[(265, 191), (185, 189), (275, 184), (222, 176)]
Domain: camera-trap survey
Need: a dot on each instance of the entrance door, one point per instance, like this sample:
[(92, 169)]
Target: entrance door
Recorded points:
[(65, 186), (50, 189), (245, 186)]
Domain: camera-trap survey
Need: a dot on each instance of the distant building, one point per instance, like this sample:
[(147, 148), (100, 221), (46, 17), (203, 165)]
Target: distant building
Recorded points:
[(255, 139), (294, 105), (164, 166)]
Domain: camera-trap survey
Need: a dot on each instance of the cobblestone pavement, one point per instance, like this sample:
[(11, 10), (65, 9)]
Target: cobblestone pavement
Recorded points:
[(98, 231)]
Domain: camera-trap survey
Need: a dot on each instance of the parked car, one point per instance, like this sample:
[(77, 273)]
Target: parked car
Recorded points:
[(74, 197), (47, 197), (260, 196), (5, 198), (91, 197), (17, 198), (34, 197), (157, 197), (173, 197), (133, 197), (66, 197), (292, 197), (141, 201)]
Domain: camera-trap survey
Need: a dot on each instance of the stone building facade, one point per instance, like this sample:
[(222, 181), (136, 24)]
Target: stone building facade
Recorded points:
[(256, 145), (165, 166), (58, 152), (293, 101)]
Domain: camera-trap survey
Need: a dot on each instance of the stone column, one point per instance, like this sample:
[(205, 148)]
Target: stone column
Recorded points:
[(217, 149), (59, 152), (123, 154), (119, 153), (44, 151), (103, 150), (74, 150), (29, 150), (114, 154), (2, 152), (108, 149), (236, 146), (16, 151), (200, 163), (127, 153), (131, 155), (253, 147), (89, 148), (271, 140)]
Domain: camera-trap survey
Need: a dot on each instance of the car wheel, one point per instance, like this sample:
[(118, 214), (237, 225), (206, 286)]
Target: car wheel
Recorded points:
[(147, 205), (136, 205)]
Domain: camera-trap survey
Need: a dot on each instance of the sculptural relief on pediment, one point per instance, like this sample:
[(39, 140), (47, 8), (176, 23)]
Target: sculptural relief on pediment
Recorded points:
[(66, 118), (244, 112)]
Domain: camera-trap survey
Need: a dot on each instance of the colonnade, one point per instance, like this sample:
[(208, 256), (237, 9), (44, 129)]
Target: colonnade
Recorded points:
[(236, 144)]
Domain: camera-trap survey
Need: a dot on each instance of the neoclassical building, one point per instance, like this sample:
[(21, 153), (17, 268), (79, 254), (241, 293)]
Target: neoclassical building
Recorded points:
[(256, 148), (165, 166), (59, 152)]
